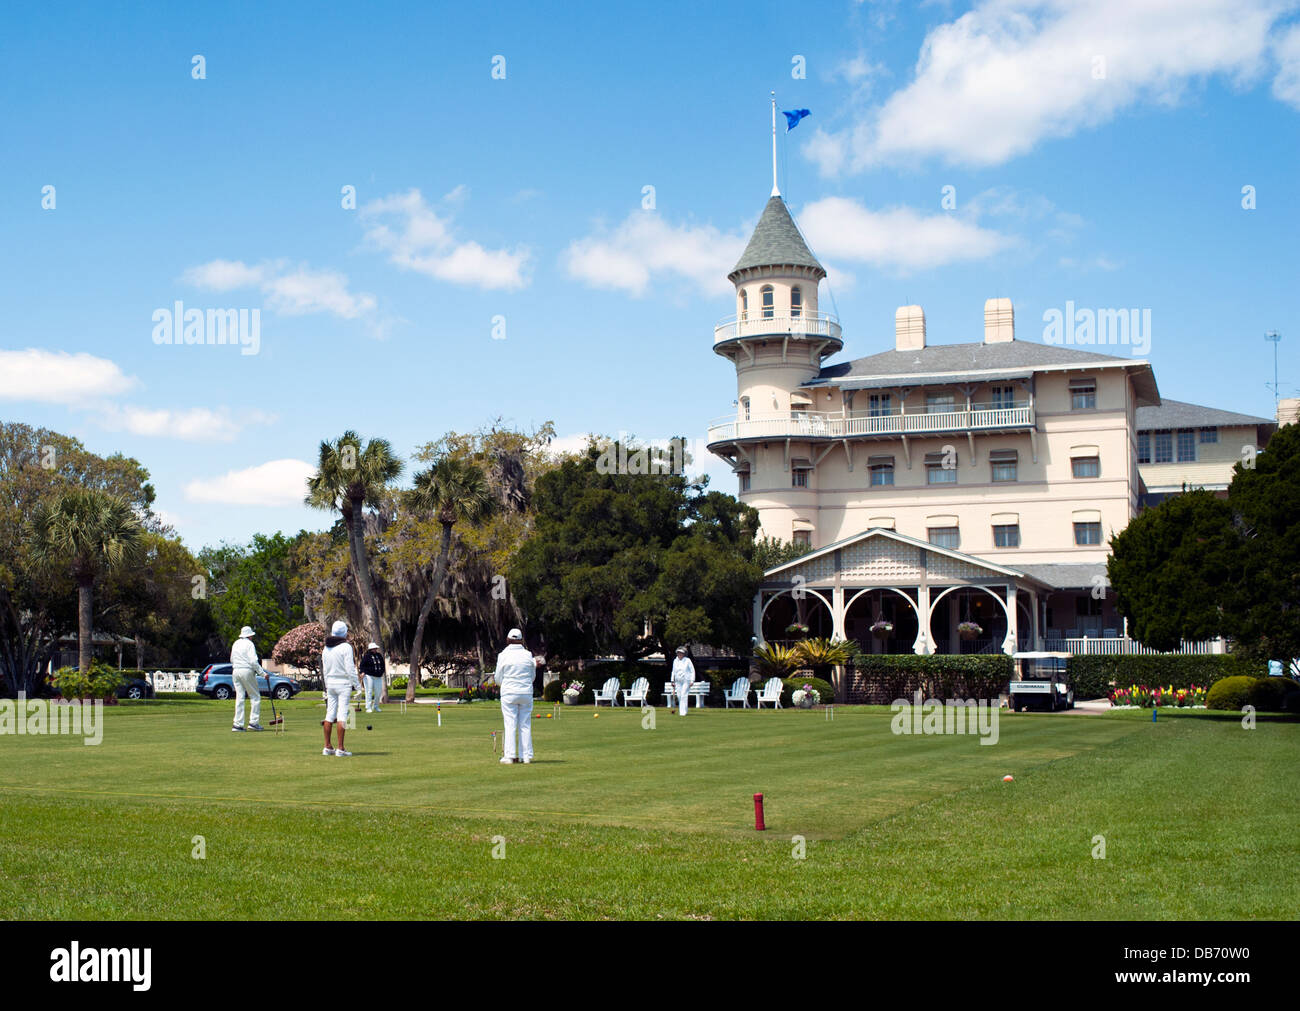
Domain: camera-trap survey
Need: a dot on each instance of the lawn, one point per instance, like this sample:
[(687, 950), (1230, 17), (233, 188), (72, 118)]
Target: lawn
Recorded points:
[(613, 820)]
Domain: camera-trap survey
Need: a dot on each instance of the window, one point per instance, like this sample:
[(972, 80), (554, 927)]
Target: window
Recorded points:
[(1186, 445), (882, 470), (1083, 394), (802, 537), (938, 403), (768, 310), (1086, 466), (1164, 447), (1087, 533), (880, 404), (1007, 536), (945, 537), (744, 403), (744, 304), (1002, 397), (744, 480), (798, 478), (796, 301), (1002, 465), (937, 473), (1209, 435), (1144, 447)]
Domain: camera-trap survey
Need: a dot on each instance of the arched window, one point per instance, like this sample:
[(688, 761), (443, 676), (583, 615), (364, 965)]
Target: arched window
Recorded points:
[(744, 304), (744, 403), (796, 301), (769, 306)]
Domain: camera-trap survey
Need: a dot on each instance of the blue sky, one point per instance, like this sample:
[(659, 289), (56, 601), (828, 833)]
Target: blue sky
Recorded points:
[(1115, 184)]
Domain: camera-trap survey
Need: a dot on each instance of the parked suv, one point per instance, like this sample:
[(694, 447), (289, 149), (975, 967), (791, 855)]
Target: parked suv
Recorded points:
[(216, 682)]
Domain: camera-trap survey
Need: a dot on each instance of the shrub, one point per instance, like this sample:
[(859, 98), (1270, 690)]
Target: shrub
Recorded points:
[(397, 685), (302, 646), (553, 691), (1093, 676), (102, 682), (774, 661), (1232, 693), (942, 676), (824, 652), (823, 689), (1270, 694)]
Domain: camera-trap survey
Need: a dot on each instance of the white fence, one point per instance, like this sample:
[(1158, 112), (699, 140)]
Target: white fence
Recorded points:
[(163, 682), (1116, 645)]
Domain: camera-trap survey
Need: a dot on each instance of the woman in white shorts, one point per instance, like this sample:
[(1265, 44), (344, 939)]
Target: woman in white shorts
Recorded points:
[(339, 670)]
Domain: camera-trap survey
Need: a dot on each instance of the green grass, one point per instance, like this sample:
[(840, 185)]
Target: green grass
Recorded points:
[(614, 821)]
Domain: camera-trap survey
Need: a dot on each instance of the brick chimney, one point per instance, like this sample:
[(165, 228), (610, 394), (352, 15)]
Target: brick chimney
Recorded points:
[(999, 321), (909, 328)]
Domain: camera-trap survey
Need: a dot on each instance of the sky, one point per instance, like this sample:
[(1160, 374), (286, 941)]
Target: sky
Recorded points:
[(447, 215)]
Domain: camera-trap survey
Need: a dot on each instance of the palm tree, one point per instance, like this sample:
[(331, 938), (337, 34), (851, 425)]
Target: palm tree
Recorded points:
[(453, 490), (349, 477), (92, 532)]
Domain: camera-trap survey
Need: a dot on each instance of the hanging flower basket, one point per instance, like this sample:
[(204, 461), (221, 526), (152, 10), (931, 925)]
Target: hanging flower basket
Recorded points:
[(797, 631), (969, 630), (882, 629)]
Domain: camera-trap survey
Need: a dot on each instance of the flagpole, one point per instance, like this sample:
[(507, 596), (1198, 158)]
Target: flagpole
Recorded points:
[(775, 191)]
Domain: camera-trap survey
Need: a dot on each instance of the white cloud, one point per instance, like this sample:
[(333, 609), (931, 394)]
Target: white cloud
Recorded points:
[(275, 483), (645, 248), (290, 291), (192, 424), (1286, 86), (59, 377), (415, 238), (899, 239), (1010, 73)]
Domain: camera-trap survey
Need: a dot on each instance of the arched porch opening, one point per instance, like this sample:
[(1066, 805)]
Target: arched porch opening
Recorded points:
[(959, 604), (783, 610), (863, 608)]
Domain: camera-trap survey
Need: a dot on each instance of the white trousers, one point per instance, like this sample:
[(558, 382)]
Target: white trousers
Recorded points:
[(374, 692), (517, 711), (683, 698), (246, 685)]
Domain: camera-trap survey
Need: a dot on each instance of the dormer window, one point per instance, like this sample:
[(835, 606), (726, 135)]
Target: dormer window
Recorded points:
[(769, 305), (744, 304), (796, 301)]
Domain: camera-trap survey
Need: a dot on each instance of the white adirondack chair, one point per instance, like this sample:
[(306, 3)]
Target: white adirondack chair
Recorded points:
[(771, 692), (637, 693), (738, 692), (607, 693)]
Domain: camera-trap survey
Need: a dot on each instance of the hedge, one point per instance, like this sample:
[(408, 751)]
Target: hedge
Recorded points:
[(1266, 694), (789, 685), (940, 676), (1093, 676)]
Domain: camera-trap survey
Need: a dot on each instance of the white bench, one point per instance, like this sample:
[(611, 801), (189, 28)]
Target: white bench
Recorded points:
[(699, 691)]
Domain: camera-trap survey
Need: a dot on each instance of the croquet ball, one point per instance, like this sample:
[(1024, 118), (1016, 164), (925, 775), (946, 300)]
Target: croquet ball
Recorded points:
[(1008, 779), (369, 727), (595, 716)]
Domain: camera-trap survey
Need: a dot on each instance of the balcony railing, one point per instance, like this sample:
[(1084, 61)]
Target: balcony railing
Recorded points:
[(812, 425), (755, 324)]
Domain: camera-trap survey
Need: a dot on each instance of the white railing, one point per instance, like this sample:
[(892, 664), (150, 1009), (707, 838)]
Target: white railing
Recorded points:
[(828, 426), (163, 682), (755, 324), (1090, 645)]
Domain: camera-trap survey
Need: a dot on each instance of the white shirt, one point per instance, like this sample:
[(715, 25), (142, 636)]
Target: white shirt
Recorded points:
[(338, 665), (243, 658), (516, 669), (683, 670)]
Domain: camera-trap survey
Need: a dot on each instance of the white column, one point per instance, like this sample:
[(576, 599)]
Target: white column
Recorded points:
[(923, 644), (837, 613), (1009, 643)]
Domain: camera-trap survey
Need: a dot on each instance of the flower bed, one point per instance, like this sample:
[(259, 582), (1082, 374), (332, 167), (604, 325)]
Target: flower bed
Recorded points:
[(1142, 697)]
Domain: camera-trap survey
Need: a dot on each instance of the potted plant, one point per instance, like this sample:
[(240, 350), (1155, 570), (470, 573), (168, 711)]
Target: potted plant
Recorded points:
[(797, 630), (882, 629), (969, 630), (805, 697), (572, 693)]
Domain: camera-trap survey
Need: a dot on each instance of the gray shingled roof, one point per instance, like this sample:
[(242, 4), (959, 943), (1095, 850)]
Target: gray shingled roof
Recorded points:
[(1066, 576), (1011, 356), (1176, 414), (776, 241)]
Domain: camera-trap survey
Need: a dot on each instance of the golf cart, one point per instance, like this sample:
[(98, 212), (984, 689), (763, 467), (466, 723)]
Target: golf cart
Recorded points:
[(1041, 683)]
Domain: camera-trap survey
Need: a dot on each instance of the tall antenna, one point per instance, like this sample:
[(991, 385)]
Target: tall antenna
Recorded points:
[(775, 191), (1275, 338)]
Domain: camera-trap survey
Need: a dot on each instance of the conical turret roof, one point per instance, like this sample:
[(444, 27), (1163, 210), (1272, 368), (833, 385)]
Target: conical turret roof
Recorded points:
[(776, 241)]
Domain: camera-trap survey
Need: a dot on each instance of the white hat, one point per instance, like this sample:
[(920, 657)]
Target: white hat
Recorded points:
[(681, 649), (373, 645), (514, 635), (245, 633), (340, 629)]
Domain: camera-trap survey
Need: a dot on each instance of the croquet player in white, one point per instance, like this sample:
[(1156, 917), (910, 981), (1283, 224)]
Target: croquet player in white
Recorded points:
[(339, 671), (683, 677), (515, 671), (244, 669)]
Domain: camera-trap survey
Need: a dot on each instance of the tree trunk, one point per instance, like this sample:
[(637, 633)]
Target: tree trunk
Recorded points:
[(417, 646), (85, 624), (369, 609), (139, 652)]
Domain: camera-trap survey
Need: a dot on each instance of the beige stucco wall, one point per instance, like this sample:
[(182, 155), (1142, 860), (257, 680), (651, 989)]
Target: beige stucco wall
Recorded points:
[(781, 285), (1212, 467)]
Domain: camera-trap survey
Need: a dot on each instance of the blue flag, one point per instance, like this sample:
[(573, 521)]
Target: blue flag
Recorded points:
[(792, 118)]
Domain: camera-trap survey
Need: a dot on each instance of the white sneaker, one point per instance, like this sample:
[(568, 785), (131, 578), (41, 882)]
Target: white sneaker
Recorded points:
[(528, 761), (327, 751), (340, 753), (507, 761)]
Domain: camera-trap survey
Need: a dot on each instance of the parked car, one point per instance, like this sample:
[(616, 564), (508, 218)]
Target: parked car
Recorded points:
[(216, 682)]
